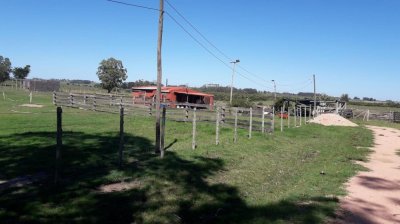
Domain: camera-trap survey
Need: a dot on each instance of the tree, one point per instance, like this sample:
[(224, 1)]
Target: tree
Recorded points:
[(111, 73), (345, 97), (5, 68), (21, 73)]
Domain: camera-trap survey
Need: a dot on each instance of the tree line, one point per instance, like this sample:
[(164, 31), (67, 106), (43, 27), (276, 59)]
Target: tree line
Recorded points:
[(6, 70)]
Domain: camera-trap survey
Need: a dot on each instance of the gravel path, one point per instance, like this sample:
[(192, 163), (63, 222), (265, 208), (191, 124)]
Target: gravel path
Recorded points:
[(374, 196)]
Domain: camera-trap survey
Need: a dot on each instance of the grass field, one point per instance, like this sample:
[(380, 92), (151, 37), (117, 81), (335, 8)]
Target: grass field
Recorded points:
[(267, 179), (374, 109), (379, 123)]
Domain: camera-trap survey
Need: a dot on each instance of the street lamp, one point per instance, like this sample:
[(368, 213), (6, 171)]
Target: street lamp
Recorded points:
[(274, 88), (233, 74)]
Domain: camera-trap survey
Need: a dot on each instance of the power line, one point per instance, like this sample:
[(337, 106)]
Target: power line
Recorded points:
[(210, 43), (294, 85), (191, 25), (134, 5), (305, 86), (192, 36)]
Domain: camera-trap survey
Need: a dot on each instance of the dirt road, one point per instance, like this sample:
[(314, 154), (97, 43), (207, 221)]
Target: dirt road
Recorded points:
[(374, 196)]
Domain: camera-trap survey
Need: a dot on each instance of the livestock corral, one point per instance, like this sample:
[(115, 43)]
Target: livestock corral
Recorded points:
[(273, 177)]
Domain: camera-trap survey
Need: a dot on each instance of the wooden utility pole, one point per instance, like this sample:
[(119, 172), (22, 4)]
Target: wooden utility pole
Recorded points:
[(158, 149), (315, 95)]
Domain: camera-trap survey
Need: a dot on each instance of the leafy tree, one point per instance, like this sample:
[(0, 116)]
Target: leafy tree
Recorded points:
[(5, 68), (111, 73), (241, 102), (21, 73), (140, 82), (279, 104), (345, 97)]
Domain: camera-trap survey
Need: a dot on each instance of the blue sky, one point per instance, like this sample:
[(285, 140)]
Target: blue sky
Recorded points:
[(353, 46)]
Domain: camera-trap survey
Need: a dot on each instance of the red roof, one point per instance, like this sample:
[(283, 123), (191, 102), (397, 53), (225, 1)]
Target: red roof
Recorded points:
[(174, 89)]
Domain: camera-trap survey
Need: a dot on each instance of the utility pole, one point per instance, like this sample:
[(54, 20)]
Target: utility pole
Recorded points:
[(274, 89), (315, 96), (158, 149), (233, 75)]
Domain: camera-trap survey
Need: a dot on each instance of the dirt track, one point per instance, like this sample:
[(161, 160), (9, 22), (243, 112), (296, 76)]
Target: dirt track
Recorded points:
[(374, 196)]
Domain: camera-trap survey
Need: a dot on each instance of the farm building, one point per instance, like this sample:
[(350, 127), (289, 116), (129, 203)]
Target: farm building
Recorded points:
[(176, 96)]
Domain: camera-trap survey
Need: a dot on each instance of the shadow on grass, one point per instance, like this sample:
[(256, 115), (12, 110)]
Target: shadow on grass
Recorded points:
[(169, 190)]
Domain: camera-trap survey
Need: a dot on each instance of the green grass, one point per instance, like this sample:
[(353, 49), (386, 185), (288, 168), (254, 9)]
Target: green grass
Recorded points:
[(379, 123), (266, 179), (374, 108)]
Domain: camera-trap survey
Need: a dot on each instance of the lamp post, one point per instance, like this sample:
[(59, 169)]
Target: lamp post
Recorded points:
[(233, 74), (274, 88)]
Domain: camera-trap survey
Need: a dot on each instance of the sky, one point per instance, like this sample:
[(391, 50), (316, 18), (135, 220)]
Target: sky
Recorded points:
[(352, 46)]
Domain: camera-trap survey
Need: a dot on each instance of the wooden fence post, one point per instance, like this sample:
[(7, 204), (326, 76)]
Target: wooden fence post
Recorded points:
[(309, 115), (54, 97), (263, 120), (273, 119), (235, 129), (368, 115), (217, 128), (30, 97), (223, 115), (4, 96), (281, 114), (70, 99), (305, 115), (94, 102), (162, 134), (301, 114), (288, 116), (194, 129), (295, 115), (111, 99), (186, 114), (59, 144), (121, 136), (251, 122)]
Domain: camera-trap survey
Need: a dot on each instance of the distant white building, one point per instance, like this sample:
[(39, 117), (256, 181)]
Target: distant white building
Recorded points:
[(211, 85)]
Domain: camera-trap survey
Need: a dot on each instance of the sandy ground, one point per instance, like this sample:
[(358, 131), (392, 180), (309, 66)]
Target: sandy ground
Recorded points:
[(374, 196), (332, 120), (31, 105)]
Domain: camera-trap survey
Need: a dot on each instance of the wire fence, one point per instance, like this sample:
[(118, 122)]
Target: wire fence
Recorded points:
[(259, 119)]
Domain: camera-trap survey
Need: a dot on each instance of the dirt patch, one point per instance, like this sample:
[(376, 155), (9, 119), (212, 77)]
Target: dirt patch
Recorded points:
[(22, 181), (121, 186), (31, 105), (332, 120), (371, 193)]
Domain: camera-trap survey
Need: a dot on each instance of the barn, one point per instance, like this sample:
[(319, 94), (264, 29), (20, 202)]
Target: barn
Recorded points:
[(176, 96)]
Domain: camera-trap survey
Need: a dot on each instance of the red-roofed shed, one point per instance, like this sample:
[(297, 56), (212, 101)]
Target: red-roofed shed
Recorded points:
[(174, 95)]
